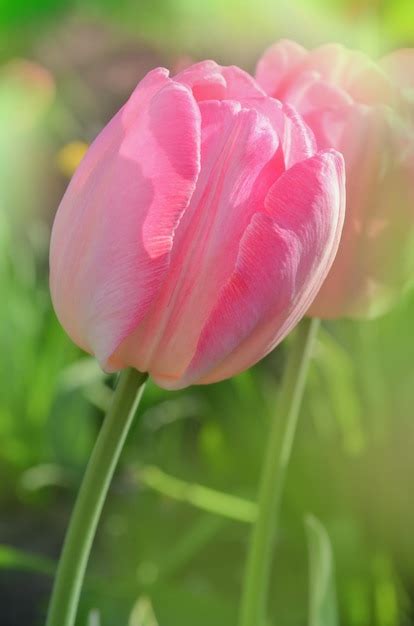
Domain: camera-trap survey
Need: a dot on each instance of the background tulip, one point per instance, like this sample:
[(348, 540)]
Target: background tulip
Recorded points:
[(197, 229), (365, 110)]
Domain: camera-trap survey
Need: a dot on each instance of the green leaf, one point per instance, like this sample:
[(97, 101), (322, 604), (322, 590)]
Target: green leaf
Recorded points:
[(13, 559), (201, 497), (322, 596)]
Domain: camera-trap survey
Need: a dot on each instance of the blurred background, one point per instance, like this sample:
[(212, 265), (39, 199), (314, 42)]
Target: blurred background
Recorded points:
[(169, 552)]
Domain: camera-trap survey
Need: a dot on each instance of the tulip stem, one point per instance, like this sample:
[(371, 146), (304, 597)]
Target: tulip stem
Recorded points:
[(254, 599), (82, 526)]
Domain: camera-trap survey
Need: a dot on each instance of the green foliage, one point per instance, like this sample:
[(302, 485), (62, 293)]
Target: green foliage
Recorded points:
[(12, 559), (322, 596)]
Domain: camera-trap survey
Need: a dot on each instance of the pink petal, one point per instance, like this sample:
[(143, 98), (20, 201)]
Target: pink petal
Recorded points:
[(298, 141), (283, 259), (332, 61), (210, 81), (238, 168), (352, 71), (274, 69), (114, 230), (399, 65), (371, 264), (370, 85), (311, 93)]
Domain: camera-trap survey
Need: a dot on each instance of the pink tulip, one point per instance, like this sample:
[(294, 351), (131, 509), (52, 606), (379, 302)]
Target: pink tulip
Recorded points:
[(365, 110), (197, 229)]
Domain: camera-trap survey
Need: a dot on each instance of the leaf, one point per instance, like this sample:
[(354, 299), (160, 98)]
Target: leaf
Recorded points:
[(13, 559), (201, 497), (143, 613), (322, 595)]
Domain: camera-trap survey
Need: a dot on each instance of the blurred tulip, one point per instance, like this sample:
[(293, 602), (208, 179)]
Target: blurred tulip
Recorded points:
[(366, 111), (197, 229)]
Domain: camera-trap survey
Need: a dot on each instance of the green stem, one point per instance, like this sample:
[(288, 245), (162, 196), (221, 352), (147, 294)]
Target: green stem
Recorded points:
[(91, 497), (279, 447)]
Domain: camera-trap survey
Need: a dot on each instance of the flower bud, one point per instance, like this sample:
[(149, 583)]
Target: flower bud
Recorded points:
[(197, 229)]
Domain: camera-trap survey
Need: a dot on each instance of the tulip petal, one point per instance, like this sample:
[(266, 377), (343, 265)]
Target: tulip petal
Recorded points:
[(374, 262), (210, 81), (283, 259), (352, 71), (310, 93), (298, 141), (114, 230), (399, 65), (274, 68), (238, 168)]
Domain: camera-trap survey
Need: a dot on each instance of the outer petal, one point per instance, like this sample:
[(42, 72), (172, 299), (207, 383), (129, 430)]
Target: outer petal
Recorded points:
[(375, 259), (286, 71), (370, 85), (352, 71), (298, 140), (114, 229), (274, 69), (399, 65), (334, 63), (238, 168), (210, 81), (310, 93), (283, 259)]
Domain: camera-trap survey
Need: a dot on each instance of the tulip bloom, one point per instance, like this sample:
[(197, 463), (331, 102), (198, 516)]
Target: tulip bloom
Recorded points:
[(366, 111), (197, 229)]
